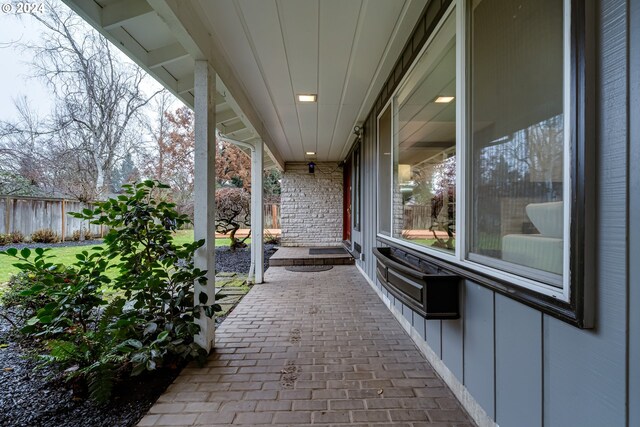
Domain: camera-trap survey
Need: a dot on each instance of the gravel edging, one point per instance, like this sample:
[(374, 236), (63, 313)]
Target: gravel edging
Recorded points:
[(32, 245)]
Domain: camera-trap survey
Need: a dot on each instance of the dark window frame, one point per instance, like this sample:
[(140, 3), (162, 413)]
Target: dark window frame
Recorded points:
[(579, 309), (356, 168)]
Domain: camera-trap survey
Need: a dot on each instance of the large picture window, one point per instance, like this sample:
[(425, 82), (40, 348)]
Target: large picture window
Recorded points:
[(517, 137), (424, 147), (482, 150)]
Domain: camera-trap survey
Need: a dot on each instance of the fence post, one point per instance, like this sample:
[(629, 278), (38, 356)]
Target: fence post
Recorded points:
[(7, 215), (63, 227), (274, 216)]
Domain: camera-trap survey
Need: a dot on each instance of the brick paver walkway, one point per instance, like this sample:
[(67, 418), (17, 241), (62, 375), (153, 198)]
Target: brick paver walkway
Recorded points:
[(310, 348)]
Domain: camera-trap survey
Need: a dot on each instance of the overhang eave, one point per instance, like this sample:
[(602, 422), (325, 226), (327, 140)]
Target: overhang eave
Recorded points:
[(173, 63)]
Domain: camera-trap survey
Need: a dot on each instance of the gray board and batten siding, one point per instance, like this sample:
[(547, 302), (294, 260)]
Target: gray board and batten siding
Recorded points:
[(524, 367), (633, 305)]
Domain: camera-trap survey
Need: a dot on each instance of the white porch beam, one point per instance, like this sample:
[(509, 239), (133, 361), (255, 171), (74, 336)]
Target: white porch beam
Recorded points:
[(232, 127), (123, 11), (205, 192), (165, 55), (187, 84), (225, 116)]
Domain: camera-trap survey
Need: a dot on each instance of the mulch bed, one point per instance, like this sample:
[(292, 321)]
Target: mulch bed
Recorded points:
[(29, 397)]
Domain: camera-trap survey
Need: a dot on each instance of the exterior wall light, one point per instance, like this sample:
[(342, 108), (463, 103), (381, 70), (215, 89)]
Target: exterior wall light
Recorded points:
[(312, 167)]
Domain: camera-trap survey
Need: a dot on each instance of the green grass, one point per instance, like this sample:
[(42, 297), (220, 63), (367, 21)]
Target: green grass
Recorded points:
[(67, 255)]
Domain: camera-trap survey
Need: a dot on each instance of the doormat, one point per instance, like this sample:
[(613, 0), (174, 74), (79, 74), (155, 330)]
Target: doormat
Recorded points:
[(327, 251), (308, 268)]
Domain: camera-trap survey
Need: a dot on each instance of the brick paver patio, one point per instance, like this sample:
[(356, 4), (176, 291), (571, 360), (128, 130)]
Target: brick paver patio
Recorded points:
[(310, 349)]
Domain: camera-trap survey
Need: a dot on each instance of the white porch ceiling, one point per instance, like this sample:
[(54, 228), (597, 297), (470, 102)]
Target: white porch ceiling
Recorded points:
[(265, 53), (339, 49)]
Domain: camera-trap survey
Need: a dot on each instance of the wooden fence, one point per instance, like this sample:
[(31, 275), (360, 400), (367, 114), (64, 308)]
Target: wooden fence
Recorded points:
[(417, 217), (271, 215), (28, 214)]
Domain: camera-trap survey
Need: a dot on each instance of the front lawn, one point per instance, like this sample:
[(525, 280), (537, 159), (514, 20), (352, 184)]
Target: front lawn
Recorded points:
[(67, 255)]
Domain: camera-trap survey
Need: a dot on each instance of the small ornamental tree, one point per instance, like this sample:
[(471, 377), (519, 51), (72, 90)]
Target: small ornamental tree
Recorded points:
[(233, 209)]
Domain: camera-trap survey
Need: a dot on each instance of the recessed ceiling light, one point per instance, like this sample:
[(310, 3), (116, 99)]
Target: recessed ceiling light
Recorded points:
[(308, 97), (444, 99), (311, 153)]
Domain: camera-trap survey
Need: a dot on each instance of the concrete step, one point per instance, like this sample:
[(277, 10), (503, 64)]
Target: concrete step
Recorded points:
[(286, 256)]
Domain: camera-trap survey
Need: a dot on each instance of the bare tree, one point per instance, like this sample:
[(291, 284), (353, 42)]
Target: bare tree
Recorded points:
[(99, 101), (21, 151), (170, 159)]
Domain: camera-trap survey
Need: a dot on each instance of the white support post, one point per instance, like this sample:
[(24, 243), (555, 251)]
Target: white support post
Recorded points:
[(257, 211), (205, 192)]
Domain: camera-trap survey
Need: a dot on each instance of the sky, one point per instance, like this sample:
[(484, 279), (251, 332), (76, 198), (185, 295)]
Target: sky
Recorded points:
[(14, 68), (15, 80)]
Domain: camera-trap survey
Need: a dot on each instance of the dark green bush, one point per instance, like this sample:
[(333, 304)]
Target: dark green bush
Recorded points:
[(45, 235), (25, 293), (150, 322)]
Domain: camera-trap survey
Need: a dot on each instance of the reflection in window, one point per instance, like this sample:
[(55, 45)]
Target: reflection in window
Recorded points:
[(384, 172), (517, 146), (424, 161)]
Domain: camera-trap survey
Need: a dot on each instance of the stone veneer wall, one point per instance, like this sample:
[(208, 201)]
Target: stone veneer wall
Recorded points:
[(311, 205)]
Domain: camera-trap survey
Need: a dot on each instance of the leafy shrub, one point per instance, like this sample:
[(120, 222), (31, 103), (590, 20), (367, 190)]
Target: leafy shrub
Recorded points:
[(45, 235), (152, 320), (25, 294), (18, 293), (13, 237)]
